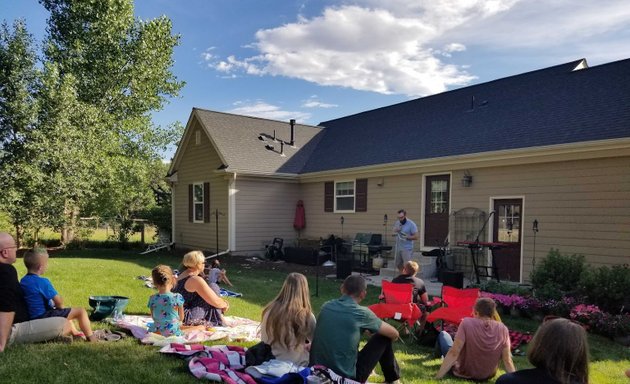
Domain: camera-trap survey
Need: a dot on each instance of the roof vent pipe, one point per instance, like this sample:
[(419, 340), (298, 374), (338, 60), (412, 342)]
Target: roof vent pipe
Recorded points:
[(292, 122), (281, 148), (274, 135)]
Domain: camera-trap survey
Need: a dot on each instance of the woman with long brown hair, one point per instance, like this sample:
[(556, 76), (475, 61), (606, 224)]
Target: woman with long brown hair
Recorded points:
[(559, 353), (288, 322)]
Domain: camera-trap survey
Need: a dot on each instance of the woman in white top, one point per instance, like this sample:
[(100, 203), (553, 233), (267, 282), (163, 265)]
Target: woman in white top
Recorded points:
[(288, 322)]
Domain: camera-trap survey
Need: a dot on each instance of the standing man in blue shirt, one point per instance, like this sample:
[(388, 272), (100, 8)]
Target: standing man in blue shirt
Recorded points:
[(406, 232)]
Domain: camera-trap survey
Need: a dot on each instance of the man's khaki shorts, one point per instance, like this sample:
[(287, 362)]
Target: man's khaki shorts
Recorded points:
[(403, 256), (35, 331)]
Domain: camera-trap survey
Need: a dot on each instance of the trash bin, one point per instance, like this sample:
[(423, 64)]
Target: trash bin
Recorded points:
[(344, 268)]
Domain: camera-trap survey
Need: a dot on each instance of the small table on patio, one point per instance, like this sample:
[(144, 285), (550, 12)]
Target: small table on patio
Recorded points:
[(476, 250)]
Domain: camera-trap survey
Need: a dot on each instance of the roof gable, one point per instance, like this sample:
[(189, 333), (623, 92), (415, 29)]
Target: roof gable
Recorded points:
[(242, 142)]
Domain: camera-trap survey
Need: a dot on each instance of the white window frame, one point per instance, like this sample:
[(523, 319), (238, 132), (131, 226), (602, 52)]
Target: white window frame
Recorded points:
[(195, 203), (354, 196)]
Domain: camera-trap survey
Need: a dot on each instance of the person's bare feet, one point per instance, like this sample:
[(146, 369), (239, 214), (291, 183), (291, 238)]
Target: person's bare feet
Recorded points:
[(93, 338)]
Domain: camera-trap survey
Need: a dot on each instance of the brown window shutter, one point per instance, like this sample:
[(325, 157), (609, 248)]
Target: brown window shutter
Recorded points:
[(191, 208), (206, 202), (329, 196), (361, 195)]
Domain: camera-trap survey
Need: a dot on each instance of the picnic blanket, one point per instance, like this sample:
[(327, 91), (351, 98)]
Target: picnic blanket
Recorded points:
[(236, 329), (225, 292), (226, 363)]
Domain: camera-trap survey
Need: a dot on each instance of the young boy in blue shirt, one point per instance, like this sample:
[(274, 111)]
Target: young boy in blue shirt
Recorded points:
[(42, 299)]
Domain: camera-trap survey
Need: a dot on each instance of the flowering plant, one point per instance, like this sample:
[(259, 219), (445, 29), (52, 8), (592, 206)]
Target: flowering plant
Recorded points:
[(519, 301), (589, 315), (613, 325), (501, 299), (561, 307), (529, 305)]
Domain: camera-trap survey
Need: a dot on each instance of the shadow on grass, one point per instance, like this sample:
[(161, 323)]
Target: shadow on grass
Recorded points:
[(148, 260)]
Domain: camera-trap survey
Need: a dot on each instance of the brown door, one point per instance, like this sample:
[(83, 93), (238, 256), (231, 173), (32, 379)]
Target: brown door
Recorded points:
[(507, 230), (436, 210)]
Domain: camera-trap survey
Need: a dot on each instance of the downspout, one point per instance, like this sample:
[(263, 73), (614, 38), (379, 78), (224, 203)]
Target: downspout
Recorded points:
[(232, 213)]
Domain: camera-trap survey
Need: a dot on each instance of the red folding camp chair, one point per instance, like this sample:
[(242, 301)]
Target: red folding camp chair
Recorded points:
[(459, 304), (398, 305)]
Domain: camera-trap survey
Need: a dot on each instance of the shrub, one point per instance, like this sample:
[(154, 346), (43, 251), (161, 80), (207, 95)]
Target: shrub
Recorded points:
[(556, 271), (607, 287), (549, 291), (102, 244), (612, 325)]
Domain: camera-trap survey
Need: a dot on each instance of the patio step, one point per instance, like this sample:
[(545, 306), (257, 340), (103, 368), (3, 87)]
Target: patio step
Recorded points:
[(388, 273)]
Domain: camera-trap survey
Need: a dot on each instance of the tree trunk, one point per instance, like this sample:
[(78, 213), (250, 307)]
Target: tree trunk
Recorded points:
[(67, 232), (18, 235)]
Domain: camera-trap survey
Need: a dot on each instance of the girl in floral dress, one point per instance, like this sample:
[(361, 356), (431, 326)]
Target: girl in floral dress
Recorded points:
[(167, 308)]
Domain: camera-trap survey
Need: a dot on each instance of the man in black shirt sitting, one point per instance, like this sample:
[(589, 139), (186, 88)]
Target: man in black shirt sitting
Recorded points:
[(15, 326)]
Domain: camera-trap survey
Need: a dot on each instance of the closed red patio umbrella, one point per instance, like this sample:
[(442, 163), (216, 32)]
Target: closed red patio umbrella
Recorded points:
[(299, 222)]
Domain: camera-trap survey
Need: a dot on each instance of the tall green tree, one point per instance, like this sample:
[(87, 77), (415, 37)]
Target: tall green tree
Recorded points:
[(122, 68), (78, 137), (18, 112)]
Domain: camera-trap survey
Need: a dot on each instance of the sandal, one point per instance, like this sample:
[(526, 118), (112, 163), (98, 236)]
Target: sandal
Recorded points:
[(106, 335)]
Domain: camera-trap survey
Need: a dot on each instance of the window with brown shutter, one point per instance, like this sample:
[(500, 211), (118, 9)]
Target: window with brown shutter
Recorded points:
[(361, 195), (329, 196), (191, 207), (206, 202), (345, 196)]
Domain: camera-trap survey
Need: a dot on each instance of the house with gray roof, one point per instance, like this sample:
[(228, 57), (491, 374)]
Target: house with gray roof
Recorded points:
[(534, 161)]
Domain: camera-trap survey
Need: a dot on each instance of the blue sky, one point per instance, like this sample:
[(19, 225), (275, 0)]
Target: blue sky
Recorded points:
[(319, 60)]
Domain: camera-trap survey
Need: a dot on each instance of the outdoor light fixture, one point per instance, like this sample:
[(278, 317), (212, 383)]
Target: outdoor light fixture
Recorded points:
[(341, 219), (466, 179), (535, 230)]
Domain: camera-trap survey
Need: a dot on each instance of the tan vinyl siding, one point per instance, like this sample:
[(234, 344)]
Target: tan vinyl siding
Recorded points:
[(265, 209), (198, 165), (582, 206), (395, 193)]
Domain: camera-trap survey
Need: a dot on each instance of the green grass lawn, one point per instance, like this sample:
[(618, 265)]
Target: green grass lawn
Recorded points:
[(79, 274)]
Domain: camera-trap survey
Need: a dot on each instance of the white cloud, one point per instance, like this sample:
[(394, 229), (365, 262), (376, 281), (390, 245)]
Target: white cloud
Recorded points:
[(207, 54), (379, 46), (544, 24), (410, 46), (262, 109), (314, 102)]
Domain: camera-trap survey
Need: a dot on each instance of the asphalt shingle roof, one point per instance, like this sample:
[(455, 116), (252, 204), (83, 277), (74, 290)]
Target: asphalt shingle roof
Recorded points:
[(236, 139), (556, 105)]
